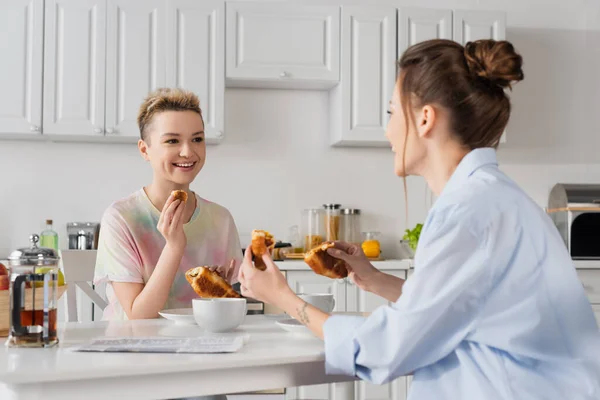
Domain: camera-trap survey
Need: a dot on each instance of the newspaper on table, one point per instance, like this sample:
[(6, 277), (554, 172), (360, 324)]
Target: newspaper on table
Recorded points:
[(203, 344)]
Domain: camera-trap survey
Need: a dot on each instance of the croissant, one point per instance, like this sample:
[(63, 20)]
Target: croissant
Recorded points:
[(324, 264), (262, 242), (209, 284), (180, 195)]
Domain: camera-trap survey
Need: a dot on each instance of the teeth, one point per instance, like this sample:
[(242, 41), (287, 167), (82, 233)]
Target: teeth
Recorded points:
[(185, 165)]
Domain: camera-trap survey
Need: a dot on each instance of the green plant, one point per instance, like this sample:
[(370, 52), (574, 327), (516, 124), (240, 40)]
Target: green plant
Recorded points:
[(413, 236)]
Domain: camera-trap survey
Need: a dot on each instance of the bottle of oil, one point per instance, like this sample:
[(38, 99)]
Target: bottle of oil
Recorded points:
[(48, 237)]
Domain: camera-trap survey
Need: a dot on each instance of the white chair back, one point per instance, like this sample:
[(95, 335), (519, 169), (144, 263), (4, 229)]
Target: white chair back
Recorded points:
[(78, 267)]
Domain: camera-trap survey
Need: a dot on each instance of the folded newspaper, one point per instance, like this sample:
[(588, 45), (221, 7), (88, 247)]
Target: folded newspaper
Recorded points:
[(208, 344)]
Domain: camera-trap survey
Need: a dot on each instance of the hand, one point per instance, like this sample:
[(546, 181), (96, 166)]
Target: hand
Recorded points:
[(268, 286), (360, 270), (170, 223), (224, 271)]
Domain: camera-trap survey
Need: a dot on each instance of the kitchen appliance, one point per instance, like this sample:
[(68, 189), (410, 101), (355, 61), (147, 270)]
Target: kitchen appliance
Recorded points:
[(575, 210), (83, 235), (33, 296)]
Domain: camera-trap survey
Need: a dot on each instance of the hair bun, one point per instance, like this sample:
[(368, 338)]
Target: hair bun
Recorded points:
[(496, 61)]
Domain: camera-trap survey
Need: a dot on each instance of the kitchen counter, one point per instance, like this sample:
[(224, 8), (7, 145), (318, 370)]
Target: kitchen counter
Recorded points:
[(385, 265)]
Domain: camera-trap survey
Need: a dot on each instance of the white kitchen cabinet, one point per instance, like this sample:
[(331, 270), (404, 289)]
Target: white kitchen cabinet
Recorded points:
[(282, 45), (21, 44), (309, 282), (419, 24), (471, 25), (359, 104), (135, 60), (196, 57), (74, 67)]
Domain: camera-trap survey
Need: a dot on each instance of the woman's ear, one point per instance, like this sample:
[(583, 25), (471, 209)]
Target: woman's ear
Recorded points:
[(425, 121), (143, 148)]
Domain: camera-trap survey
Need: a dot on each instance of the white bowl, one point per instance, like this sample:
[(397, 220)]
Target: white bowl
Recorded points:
[(219, 315)]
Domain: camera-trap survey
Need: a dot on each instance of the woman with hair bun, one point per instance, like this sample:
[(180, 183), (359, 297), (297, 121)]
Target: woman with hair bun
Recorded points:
[(494, 309)]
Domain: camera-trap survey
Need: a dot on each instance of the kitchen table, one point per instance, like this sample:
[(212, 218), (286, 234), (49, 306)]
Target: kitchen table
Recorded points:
[(272, 358)]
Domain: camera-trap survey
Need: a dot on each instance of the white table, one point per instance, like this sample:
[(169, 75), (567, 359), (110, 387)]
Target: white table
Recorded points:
[(272, 358)]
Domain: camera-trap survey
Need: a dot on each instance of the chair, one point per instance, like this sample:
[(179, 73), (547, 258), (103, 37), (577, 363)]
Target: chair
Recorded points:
[(78, 267)]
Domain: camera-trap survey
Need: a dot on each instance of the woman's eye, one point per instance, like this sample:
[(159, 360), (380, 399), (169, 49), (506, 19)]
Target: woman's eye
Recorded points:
[(198, 139), (171, 141)]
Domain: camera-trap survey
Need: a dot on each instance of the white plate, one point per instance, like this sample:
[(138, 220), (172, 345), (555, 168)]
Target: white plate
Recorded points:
[(294, 326), (181, 316)]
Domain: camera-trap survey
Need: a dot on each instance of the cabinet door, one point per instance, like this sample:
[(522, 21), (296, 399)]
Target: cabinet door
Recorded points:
[(474, 25), (419, 24), (21, 43), (358, 300), (196, 56), (359, 103), (74, 67), (135, 60), (282, 45), (309, 282)]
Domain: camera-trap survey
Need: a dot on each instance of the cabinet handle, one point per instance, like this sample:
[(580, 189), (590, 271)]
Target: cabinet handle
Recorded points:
[(350, 282), (98, 130), (283, 74), (341, 280), (219, 134), (34, 128), (110, 131)]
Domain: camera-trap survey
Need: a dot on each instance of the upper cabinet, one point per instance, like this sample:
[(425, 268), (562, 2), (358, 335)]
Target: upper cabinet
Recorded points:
[(282, 45), (368, 72), (135, 60), (474, 25), (74, 70), (358, 105), (99, 59), (419, 24), (21, 43), (196, 57)]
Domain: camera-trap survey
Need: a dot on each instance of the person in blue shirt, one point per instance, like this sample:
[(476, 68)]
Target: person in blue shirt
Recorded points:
[(494, 309)]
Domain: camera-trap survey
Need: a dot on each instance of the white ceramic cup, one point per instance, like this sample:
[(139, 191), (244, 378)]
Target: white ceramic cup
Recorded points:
[(219, 315), (323, 301)]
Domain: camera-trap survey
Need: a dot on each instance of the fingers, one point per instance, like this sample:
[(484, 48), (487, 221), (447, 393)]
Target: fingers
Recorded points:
[(339, 254), (344, 246), (169, 212), (248, 254), (178, 214), (268, 260)]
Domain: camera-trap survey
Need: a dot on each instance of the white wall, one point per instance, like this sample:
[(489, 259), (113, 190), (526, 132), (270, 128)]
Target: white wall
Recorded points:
[(275, 160)]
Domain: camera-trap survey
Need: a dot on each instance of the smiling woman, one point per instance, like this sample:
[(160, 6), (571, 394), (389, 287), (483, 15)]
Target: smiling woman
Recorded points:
[(150, 238)]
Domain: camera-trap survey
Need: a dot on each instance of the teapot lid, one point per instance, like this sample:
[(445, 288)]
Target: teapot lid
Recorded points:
[(33, 255)]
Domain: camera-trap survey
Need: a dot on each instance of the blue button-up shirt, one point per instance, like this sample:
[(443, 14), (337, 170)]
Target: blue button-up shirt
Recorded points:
[(494, 309)]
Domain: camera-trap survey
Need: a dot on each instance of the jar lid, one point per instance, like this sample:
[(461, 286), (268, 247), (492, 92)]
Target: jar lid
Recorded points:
[(33, 255), (351, 211), (331, 206)]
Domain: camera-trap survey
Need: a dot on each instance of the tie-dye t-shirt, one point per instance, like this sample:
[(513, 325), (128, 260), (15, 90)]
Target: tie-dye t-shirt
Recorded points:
[(130, 244)]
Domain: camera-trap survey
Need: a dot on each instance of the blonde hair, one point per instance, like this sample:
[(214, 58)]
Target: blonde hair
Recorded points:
[(165, 99)]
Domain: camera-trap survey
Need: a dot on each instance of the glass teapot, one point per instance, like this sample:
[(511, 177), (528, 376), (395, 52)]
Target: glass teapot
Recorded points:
[(33, 296)]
